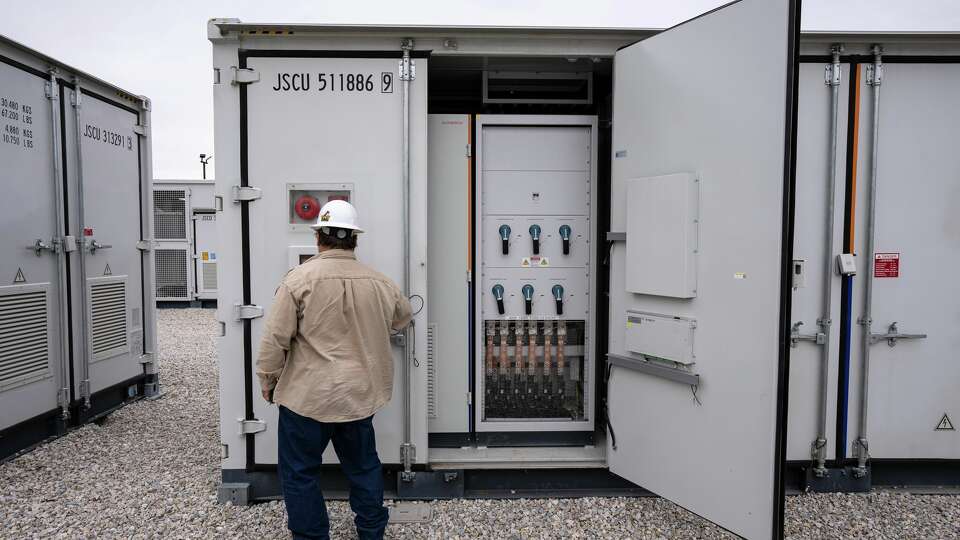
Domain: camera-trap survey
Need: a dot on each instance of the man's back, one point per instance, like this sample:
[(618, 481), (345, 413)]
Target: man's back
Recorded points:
[(326, 339)]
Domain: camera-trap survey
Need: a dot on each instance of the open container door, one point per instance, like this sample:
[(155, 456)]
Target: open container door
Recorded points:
[(702, 175)]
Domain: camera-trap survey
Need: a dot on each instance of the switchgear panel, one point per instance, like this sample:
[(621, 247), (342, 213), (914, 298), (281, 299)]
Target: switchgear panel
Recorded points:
[(534, 254)]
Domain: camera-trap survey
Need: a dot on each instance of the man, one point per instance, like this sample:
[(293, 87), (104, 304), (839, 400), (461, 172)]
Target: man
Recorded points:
[(326, 360)]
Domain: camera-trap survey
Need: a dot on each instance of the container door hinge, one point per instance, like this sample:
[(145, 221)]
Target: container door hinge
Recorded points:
[(140, 130), (146, 358), (144, 245), (48, 90), (243, 312), (469, 150), (244, 76), (246, 193), (249, 427)]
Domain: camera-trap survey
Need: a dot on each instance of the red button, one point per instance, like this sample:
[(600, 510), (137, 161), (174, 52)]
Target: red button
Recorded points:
[(307, 207)]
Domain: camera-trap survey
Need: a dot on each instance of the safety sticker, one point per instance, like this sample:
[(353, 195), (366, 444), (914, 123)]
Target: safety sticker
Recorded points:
[(204, 255), (534, 262), (19, 278), (886, 265), (107, 271), (945, 424)]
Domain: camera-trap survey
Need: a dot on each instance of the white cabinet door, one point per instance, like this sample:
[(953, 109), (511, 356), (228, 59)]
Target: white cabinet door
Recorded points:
[(713, 98)]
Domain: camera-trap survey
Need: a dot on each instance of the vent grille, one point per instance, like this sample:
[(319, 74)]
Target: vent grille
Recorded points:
[(209, 277), (24, 343), (432, 370), (108, 319), (171, 269), (170, 214)]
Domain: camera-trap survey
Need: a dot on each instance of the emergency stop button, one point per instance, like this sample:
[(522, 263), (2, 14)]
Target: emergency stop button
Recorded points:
[(307, 207)]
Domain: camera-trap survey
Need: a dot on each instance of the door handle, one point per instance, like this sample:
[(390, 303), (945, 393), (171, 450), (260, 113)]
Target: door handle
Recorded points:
[(892, 335), (94, 246), (40, 246)]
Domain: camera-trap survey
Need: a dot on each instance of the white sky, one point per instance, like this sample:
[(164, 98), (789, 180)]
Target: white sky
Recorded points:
[(159, 48)]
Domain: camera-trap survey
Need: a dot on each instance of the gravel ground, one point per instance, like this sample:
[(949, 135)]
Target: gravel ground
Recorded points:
[(152, 468)]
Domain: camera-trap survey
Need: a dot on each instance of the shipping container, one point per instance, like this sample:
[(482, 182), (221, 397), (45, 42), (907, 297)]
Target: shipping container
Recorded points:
[(77, 321), (610, 237), (184, 221)]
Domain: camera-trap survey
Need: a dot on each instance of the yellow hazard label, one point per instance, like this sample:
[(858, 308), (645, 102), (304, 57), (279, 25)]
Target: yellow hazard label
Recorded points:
[(525, 262), (205, 255)]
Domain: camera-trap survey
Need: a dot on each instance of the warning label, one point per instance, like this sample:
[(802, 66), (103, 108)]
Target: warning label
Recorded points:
[(945, 424), (535, 261), (886, 265)]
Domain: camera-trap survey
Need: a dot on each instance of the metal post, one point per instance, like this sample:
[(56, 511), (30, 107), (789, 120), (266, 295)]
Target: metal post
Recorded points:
[(82, 250), (63, 393), (819, 449), (874, 79), (407, 449)]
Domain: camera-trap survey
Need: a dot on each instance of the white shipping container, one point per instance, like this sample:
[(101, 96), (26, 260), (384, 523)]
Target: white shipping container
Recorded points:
[(77, 322), (459, 147)]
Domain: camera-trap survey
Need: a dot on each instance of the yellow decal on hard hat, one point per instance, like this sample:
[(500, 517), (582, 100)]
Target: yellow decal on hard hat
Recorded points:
[(325, 216)]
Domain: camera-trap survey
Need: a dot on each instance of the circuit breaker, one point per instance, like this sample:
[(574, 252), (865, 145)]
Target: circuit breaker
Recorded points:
[(535, 254)]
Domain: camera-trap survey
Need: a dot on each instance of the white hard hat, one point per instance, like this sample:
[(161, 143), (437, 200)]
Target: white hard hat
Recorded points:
[(338, 214)]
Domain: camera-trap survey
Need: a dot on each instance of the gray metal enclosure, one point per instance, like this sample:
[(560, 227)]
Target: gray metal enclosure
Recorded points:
[(77, 325), (184, 221)]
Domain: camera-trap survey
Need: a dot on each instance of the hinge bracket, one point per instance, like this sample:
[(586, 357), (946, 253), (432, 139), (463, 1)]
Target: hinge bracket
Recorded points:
[(469, 150), (249, 427), (874, 74), (146, 358), (144, 245), (244, 76), (246, 193), (243, 312), (831, 74), (140, 130)]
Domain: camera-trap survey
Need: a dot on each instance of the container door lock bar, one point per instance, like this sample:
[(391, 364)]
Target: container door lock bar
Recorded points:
[(892, 335)]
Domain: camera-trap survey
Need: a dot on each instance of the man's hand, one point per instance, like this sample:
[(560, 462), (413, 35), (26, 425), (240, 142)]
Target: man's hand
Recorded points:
[(267, 395)]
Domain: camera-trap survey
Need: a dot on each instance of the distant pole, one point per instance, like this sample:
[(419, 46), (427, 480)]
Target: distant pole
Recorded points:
[(203, 162)]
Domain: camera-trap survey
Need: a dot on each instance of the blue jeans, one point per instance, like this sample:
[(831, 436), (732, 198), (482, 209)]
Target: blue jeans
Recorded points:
[(301, 442)]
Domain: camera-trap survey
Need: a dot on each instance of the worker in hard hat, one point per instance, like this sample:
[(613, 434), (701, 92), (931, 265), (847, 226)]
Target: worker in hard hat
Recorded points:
[(325, 358)]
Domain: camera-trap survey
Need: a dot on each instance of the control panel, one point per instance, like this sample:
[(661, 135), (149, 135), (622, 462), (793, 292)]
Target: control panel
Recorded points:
[(534, 257)]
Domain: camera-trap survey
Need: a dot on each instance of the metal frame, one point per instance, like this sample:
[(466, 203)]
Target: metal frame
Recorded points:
[(589, 384)]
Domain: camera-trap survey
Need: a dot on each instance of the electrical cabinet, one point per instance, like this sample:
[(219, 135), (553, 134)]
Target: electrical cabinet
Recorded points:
[(533, 324)]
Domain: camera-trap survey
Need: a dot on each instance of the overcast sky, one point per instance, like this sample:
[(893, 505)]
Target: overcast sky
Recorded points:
[(160, 49)]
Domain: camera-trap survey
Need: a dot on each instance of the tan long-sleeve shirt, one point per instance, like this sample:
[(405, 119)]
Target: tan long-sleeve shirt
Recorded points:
[(325, 350)]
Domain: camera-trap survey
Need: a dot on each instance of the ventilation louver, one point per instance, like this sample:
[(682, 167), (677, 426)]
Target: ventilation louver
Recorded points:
[(108, 319), (24, 343), (169, 214), (171, 274), (432, 371), (209, 271)]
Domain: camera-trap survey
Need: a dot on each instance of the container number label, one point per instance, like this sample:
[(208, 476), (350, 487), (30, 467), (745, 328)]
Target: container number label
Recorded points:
[(108, 137), (335, 82)]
